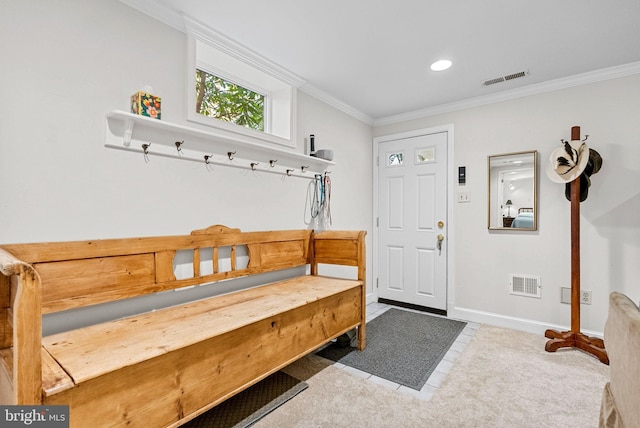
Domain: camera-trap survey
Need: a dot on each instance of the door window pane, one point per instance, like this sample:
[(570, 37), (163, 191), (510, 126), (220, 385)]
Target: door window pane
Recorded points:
[(425, 155), (395, 159)]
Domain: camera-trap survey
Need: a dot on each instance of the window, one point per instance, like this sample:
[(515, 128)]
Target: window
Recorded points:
[(395, 159), (225, 100), (243, 93)]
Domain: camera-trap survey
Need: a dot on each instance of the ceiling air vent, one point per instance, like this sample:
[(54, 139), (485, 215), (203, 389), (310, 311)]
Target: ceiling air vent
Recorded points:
[(493, 81), (515, 75), (505, 78)]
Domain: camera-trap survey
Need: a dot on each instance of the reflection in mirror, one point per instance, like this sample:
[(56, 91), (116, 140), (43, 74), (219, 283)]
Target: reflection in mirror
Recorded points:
[(512, 191)]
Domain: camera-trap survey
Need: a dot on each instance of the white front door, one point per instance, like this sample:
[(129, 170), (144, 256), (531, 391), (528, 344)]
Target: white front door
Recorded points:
[(412, 211)]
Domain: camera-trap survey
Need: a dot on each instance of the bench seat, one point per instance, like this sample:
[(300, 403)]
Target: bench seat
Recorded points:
[(164, 367), (96, 350)]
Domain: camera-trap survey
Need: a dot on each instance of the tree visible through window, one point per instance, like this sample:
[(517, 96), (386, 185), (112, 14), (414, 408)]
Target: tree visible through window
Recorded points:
[(227, 101)]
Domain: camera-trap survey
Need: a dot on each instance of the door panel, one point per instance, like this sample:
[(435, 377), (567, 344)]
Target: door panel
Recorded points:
[(426, 208), (395, 257), (396, 202), (412, 187), (426, 269)]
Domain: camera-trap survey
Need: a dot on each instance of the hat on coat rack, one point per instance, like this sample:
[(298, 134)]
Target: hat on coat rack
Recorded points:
[(567, 163), (574, 159)]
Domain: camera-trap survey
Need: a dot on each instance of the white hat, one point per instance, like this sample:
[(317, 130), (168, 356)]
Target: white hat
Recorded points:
[(567, 163)]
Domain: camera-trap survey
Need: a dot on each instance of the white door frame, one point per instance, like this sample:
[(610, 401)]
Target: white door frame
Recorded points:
[(373, 297)]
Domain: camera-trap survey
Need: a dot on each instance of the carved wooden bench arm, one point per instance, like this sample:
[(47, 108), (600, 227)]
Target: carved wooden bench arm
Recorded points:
[(21, 327)]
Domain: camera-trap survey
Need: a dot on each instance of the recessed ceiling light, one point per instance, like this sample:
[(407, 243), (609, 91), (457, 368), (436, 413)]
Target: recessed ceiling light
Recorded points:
[(441, 65)]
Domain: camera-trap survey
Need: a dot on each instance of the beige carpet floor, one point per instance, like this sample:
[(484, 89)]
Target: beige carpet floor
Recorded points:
[(503, 378)]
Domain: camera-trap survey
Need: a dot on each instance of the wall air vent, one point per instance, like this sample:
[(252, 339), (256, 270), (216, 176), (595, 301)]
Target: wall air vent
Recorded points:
[(505, 78), (525, 285)]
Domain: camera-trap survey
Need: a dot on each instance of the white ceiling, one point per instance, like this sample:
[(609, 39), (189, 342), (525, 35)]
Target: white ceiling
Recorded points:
[(374, 56)]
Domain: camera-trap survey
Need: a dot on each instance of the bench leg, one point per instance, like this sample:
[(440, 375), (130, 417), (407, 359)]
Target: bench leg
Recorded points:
[(362, 337)]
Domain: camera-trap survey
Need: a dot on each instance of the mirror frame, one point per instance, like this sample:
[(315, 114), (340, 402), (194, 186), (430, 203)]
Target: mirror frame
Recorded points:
[(491, 209)]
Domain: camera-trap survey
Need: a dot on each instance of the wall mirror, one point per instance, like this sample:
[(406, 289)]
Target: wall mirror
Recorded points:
[(513, 201)]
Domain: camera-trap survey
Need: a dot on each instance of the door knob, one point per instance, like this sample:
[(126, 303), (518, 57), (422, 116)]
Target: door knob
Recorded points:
[(440, 239)]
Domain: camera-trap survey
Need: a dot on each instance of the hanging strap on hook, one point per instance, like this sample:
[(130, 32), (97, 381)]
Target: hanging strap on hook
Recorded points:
[(320, 200), (318, 196), (327, 191)]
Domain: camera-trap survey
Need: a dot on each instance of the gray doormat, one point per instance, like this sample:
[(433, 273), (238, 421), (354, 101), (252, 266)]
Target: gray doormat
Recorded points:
[(252, 404), (403, 347)]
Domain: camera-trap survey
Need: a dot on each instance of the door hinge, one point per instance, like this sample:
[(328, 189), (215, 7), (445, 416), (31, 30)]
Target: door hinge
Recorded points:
[(377, 282), (377, 221)]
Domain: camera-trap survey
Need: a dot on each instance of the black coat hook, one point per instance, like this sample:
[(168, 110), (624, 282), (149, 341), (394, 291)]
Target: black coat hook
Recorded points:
[(230, 154)]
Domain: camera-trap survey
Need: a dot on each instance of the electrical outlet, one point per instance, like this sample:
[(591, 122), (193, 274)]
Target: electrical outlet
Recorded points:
[(585, 297)]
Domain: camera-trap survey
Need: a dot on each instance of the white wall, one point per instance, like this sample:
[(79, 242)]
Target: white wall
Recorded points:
[(610, 240), (71, 62)]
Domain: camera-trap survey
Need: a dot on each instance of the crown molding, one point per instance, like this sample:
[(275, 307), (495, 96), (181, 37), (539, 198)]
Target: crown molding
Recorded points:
[(534, 89), (191, 26), (205, 33), (157, 11), (240, 52), (337, 104), (197, 29)]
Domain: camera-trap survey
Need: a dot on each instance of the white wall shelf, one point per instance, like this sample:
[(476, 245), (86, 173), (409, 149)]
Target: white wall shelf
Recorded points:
[(131, 132)]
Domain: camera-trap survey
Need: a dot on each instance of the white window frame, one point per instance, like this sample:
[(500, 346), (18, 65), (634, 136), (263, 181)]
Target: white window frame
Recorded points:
[(213, 53)]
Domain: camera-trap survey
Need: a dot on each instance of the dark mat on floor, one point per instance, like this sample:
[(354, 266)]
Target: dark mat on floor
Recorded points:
[(403, 347), (252, 404)]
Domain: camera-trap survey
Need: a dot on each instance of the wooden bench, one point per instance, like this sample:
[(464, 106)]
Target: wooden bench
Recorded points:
[(164, 367)]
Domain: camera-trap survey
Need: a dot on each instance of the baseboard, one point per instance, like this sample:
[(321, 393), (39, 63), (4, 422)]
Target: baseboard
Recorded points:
[(515, 323)]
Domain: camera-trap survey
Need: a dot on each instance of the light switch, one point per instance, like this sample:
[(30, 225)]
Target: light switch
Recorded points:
[(464, 196)]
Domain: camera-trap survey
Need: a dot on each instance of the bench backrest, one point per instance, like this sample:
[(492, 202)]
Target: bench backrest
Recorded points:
[(83, 273), (42, 278)]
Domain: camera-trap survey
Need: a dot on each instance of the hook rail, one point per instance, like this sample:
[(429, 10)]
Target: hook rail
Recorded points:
[(208, 160), (127, 131)]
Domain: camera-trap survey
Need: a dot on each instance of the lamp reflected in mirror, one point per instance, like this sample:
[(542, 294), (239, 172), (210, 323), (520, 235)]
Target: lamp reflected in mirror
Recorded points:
[(508, 204), (513, 191)]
